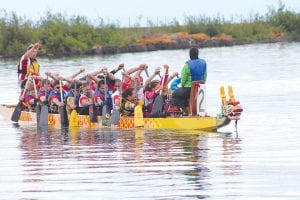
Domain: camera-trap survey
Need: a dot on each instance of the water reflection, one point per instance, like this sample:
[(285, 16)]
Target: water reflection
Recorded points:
[(231, 155), (167, 161)]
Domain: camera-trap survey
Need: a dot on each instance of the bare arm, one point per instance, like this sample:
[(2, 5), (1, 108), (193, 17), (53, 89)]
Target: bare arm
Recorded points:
[(57, 102), (150, 78), (109, 75), (73, 76), (172, 76), (121, 66), (35, 47), (87, 102), (53, 76)]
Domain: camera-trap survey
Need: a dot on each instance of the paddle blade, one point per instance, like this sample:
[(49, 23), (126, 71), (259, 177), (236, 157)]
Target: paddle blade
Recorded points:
[(105, 120), (63, 116), (157, 106), (93, 114), (38, 113), (74, 121), (138, 116), (17, 112), (115, 117), (43, 116)]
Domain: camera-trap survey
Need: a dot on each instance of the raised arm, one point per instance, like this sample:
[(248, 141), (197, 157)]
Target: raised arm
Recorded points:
[(35, 47), (150, 78), (121, 66), (175, 74)]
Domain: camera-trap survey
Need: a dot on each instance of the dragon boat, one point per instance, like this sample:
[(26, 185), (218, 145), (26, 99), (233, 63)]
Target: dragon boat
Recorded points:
[(231, 110), (193, 122)]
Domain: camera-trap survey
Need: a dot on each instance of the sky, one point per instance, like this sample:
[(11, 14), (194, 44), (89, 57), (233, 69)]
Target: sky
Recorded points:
[(131, 12)]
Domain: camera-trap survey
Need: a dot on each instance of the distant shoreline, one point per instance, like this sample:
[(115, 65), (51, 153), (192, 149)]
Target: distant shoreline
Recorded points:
[(134, 48), (61, 36)]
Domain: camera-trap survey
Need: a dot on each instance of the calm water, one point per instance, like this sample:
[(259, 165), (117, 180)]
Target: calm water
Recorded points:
[(262, 161)]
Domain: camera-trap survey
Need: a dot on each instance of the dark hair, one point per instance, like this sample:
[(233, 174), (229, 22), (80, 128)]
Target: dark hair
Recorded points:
[(56, 82), (84, 84), (127, 92), (151, 85), (100, 83), (101, 76), (76, 86), (194, 52)]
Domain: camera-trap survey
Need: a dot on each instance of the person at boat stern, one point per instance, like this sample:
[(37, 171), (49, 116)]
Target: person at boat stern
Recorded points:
[(28, 63), (193, 70)]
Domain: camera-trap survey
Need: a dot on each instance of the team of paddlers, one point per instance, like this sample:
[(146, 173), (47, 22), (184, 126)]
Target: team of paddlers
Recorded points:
[(102, 89), (98, 88)]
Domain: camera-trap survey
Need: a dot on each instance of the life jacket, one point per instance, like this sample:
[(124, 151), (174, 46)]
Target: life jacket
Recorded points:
[(34, 67), (82, 109), (197, 69), (71, 97), (30, 107), (53, 108), (149, 102), (127, 108)]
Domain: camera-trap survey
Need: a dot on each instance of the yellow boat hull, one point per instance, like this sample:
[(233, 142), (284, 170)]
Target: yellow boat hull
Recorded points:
[(182, 123)]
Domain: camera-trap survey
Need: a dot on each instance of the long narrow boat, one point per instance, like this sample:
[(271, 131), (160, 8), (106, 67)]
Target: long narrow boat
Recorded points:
[(231, 110), (191, 123)]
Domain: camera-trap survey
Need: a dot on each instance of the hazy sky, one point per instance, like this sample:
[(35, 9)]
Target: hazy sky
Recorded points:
[(130, 11)]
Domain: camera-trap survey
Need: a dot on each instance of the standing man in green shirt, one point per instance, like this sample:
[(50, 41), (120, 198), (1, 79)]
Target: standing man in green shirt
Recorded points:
[(193, 70)]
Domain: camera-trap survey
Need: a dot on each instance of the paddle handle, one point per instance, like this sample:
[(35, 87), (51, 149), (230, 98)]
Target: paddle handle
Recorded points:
[(61, 91), (46, 90), (34, 85), (106, 88), (164, 79), (25, 88), (146, 71)]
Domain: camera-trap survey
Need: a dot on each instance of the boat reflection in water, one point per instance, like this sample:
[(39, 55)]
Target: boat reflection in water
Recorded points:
[(134, 161)]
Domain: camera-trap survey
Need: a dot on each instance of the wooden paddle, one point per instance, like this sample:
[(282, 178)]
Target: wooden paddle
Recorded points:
[(73, 120), (105, 120), (18, 109), (62, 109), (159, 100), (115, 114), (115, 117), (93, 112), (44, 110)]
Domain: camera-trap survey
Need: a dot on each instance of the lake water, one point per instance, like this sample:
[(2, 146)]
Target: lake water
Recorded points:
[(262, 161)]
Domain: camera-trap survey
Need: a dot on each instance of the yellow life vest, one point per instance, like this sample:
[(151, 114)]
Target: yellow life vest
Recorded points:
[(34, 67)]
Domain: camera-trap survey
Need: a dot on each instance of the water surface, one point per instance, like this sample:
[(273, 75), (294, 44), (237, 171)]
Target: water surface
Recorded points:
[(262, 161)]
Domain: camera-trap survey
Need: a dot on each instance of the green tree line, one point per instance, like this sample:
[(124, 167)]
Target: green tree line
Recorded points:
[(75, 35)]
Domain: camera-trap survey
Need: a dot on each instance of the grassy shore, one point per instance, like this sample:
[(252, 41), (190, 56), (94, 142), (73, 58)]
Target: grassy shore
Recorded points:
[(63, 36)]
